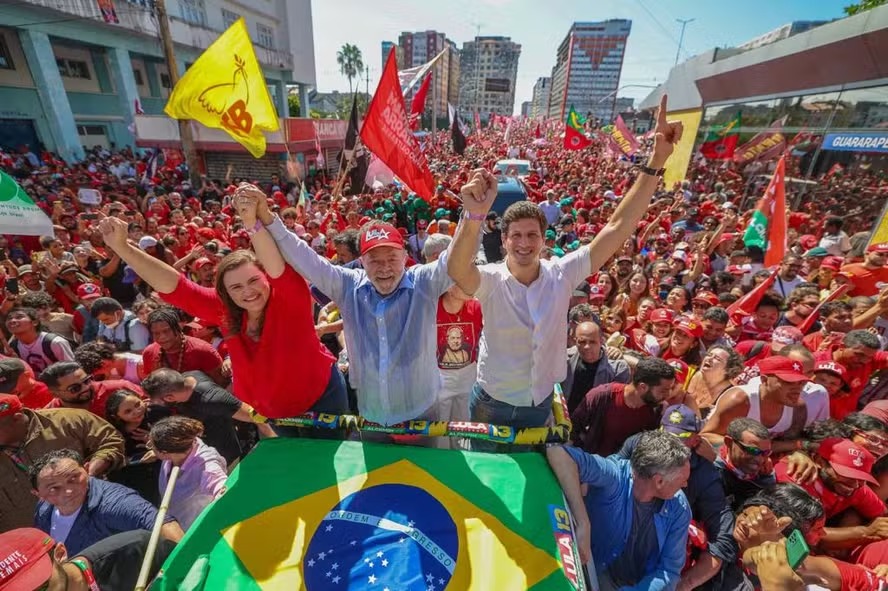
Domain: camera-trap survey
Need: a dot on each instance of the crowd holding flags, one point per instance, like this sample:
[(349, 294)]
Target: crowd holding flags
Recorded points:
[(721, 141), (767, 226)]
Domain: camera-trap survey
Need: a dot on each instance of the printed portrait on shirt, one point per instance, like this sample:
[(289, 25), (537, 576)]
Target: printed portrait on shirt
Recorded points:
[(457, 345)]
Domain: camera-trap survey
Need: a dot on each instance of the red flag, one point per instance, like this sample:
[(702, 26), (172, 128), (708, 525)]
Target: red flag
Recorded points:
[(477, 122), (834, 170), (387, 134), (809, 321), (776, 244), (418, 104), (537, 133), (574, 140), (745, 306)]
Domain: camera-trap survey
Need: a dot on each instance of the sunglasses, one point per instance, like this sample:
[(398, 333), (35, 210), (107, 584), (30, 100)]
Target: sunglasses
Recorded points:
[(753, 451), (79, 386)]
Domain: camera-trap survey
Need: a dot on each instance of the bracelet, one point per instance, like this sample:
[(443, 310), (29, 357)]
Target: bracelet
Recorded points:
[(256, 227), (651, 171), (477, 217)]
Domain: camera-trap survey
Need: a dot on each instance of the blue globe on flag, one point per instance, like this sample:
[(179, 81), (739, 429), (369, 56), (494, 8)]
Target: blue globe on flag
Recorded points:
[(390, 537)]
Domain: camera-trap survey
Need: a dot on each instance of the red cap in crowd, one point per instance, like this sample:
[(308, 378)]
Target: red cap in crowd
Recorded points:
[(737, 270), (706, 297), (681, 371), (662, 315), (596, 294), (834, 368), (848, 459), (881, 248), (380, 235), (201, 262), (10, 404), (878, 409), (808, 241), (784, 368), (832, 263), (88, 291), (24, 556), (689, 326), (786, 335)]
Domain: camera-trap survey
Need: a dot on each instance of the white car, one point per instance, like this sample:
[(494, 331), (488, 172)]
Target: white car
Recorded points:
[(512, 167)]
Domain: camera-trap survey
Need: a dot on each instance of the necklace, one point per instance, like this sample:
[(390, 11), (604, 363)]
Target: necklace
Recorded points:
[(181, 357)]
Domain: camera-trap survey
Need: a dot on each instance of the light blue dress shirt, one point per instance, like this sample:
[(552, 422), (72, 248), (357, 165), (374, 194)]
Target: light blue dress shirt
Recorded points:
[(391, 340)]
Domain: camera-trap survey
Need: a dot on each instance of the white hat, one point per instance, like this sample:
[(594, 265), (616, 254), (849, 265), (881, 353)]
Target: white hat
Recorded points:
[(147, 242)]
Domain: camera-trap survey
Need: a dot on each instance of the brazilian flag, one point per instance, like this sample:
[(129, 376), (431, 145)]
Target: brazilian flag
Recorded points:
[(316, 515)]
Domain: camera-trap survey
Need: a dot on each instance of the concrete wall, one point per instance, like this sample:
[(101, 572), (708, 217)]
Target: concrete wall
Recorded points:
[(20, 76)]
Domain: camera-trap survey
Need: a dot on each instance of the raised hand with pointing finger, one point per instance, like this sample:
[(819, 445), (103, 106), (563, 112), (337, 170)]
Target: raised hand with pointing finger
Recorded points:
[(667, 134)]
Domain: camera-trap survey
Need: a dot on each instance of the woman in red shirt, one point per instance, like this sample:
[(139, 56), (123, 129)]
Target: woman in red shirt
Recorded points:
[(278, 365)]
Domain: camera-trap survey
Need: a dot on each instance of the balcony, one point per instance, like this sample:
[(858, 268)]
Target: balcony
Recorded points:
[(201, 36)]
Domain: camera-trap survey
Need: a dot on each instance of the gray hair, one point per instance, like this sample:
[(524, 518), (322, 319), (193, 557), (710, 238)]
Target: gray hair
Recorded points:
[(861, 337), (434, 245), (658, 452)]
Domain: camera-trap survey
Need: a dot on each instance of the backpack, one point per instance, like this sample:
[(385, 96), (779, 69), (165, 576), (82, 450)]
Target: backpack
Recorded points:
[(48, 338)]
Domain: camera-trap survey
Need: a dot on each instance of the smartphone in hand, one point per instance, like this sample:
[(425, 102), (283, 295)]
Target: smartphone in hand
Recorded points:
[(797, 549)]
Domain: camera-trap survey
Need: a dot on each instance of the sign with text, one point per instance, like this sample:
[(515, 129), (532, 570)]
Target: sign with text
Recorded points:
[(857, 142)]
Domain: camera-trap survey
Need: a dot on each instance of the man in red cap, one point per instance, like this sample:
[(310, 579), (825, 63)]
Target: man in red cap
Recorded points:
[(776, 402), (833, 377), (84, 324), (388, 310), (861, 354), (31, 559), (754, 351), (17, 378), (701, 302), (845, 471), (871, 272)]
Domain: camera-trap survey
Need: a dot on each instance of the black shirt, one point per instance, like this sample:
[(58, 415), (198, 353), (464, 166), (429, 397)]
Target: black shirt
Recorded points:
[(213, 406), (584, 380), (492, 242), (117, 559)]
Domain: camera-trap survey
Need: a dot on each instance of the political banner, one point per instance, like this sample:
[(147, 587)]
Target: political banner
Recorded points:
[(18, 213), (857, 142), (366, 516), (624, 138), (764, 145)]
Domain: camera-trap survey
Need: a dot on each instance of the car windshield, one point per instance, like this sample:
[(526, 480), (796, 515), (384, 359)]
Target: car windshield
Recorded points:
[(512, 168)]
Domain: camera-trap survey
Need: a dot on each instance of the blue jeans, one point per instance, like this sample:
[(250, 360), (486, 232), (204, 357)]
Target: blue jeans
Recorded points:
[(483, 408), (334, 400)]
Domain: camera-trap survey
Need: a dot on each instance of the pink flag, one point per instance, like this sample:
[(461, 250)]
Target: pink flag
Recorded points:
[(623, 137)]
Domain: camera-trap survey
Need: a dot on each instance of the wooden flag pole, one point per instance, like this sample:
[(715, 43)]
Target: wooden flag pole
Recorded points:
[(142, 581)]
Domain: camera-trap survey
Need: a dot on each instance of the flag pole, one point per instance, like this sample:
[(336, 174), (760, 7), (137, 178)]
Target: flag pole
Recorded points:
[(142, 581)]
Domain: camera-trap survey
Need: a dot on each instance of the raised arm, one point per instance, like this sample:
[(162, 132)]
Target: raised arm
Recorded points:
[(625, 219), (477, 197), (249, 200), (568, 476), (158, 274)]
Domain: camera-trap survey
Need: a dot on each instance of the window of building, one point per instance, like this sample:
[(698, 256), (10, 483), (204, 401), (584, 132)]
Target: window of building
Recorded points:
[(137, 74), (5, 57), (73, 68), (264, 36), (165, 81), (229, 17), (194, 11)]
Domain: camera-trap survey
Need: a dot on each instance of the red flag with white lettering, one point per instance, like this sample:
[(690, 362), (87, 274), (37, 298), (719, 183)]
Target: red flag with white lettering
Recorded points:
[(386, 133)]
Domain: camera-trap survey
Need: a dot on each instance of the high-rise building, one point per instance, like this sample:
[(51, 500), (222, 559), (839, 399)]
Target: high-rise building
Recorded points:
[(525, 108), (421, 47), (387, 47), (539, 106), (488, 71), (587, 69)]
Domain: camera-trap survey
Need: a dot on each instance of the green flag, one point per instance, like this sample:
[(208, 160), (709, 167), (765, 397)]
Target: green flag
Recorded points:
[(18, 213), (328, 515)]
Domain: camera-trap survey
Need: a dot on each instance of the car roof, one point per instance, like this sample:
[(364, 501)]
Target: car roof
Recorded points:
[(513, 161)]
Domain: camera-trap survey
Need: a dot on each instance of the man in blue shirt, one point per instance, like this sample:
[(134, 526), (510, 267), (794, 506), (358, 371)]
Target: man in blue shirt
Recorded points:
[(640, 514), (80, 511)]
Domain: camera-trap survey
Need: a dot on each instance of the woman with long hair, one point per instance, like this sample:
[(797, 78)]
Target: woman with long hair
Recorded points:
[(279, 366), (608, 286), (719, 367)]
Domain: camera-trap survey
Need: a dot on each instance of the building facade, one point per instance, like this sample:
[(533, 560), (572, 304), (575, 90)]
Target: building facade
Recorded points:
[(829, 82), (586, 75), (540, 102), (73, 74), (488, 73), (420, 47), (387, 47), (525, 108)]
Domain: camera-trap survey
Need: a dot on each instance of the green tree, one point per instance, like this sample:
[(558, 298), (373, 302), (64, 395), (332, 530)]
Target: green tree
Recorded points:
[(344, 106), (862, 6), (295, 107), (351, 63)]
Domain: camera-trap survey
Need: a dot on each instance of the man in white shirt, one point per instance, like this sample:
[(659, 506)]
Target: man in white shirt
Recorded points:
[(788, 277), (551, 208), (834, 239), (524, 299)]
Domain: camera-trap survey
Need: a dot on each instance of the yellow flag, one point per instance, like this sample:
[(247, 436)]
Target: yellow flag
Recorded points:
[(225, 89)]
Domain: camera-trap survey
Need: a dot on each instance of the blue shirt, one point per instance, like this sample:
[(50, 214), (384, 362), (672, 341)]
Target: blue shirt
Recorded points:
[(391, 340), (109, 509), (609, 504)]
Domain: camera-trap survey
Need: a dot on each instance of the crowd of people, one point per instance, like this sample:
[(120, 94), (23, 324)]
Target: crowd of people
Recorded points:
[(717, 406)]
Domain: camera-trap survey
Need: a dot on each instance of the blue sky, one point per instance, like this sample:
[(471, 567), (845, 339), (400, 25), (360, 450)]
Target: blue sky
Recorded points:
[(649, 54)]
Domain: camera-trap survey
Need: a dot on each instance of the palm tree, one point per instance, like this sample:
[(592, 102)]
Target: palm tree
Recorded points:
[(351, 63)]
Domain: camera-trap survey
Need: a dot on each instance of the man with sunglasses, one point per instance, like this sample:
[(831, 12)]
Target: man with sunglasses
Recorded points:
[(72, 387), (744, 461)]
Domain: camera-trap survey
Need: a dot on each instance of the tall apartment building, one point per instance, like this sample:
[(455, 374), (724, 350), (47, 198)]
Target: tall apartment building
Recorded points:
[(488, 72), (73, 73), (422, 46), (387, 47), (539, 104), (587, 69)]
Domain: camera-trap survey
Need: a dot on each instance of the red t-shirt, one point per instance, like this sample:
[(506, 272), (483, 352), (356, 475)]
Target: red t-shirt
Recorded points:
[(858, 378), (458, 335), (602, 421), (857, 578), (865, 280), (286, 371), (864, 500), (101, 391), (38, 397), (197, 355)]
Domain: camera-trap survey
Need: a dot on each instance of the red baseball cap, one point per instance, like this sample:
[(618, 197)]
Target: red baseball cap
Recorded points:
[(833, 368), (24, 554), (848, 459), (201, 262), (881, 248), (689, 326), (88, 291), (662, 315), (596, 293), (782, 367), (833, 263), (786, 335), (681, 370), (663, 238), (707, 297), (736, 270), (380, 235), (10, 404)]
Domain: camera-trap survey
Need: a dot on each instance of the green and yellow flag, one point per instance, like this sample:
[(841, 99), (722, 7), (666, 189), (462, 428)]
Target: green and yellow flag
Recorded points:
[(225, 89), (312, 515)]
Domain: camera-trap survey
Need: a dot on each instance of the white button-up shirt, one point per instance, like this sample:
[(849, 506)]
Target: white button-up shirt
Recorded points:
[(522, 353)]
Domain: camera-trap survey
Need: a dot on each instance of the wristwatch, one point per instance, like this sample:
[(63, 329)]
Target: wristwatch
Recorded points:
[(651, 171)]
